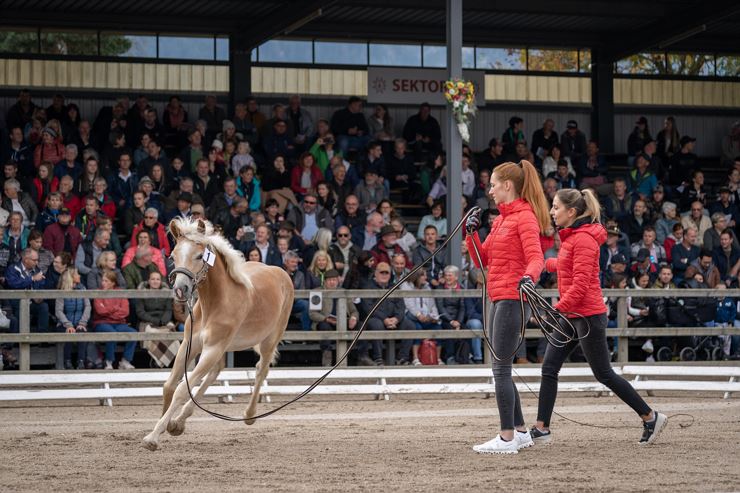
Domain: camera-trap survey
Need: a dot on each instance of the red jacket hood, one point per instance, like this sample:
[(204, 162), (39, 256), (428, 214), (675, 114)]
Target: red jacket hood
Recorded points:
[(596, 230)]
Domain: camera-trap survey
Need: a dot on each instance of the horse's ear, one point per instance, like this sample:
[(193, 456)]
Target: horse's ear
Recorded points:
[(201, 226), (175, 229)]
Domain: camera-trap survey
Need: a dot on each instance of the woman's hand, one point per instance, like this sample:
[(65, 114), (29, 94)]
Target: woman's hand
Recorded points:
[(70, 330)]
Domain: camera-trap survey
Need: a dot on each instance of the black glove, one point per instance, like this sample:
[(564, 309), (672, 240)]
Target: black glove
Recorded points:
[(473, 223), (526, 281)]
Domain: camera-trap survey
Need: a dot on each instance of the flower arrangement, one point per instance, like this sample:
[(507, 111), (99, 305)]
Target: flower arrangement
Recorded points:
[(461, 95)]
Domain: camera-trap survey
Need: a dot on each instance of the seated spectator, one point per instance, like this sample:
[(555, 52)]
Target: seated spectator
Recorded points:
[(156, 231), (154, 312), (474, 314), (695, 191), (698, 219), (273, 218), (399, 268), (726, 256), (351, 215), (69, 165), (611, 248), (49, 214), (386, 247), (325, 318), (106, 204), (684, 253), (106, 224), (573, 142), (401, 166), (522, 153), (278, 141), (73, 315), (44, 184), (151, 198), (655, 202), (264, 244), (25, 274), (562, 176), (205, 182), (144, 240), (617, 267), (110, 316), (305, 176), (426, 249), (343, 252), (682, 164), (543, 139), (339, 179), (493, 155), (276, 183), (451, 314), (619, 203), (222, 201), (665, 278), (633, 224), (381, 124), (422, 311), (87, 220), (727, 207), (54, 273), (675, 237), (235, 222), (326, 197), (315, 273), (656, 252), (155, 157), (323, 151), (106, 262), (664, 224), (637, 307), (135, 214), (15, 236), (309, 217), (436, 218), (349, 126), (248, 186), (643, 264), (389, 315), (123, 183), (49, 149), (16, 200), (704, 265), (35, 241), (550, 161), (138, 271), (592, 167), (370, 191), (512, 136), (404, 239), (88, 252), (300, 305), (642, 181), (253, 255), (711, 236)]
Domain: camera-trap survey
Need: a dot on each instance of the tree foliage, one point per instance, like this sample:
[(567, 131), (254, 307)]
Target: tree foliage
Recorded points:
[(63, 43)]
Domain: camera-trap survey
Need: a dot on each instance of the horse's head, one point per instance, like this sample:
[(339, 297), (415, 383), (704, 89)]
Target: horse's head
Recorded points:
[(188, 257)]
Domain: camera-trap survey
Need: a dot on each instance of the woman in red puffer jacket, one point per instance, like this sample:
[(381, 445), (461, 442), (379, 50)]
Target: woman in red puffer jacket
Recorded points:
[(512, 255), (577, 215)]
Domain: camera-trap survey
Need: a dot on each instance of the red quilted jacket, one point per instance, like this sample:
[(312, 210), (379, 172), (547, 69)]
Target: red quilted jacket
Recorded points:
[(577, 266), (511, 250)]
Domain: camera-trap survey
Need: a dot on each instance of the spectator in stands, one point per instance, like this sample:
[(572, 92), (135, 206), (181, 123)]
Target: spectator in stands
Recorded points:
[(223, 200), (386, 248), (543, 139), (20, 114), (656, 251), (300, 305), (16, 200), (399, 268), (156, 231), (389, 315), (212, 113), (15, 236), (422, 132), (325, 318), (380, 124), (451, 313), (50, 213), (727, 207), (573, 142), (278, 115), (73, 315), (656, 165), (19, 152), (124, 182), (665, 278), (343, 252), (404, 238), (323, 152), (611, 248), (642, 181), (617, 267), (726, 256), (730, 145), (305, 176), (89, 250), (436, 218), (309, 217), (426, 249), (62, 236), (371, 190), (54, 273), (82, 136), (522, 153), (675, 237), (315, 273), (402, 171), (351, 216), (668, 139), (712, 235), (35, 241), (84, 185), (643, 264), (69, 199), (704, 265), (235, 221), (562, 176), (592, 168), (205, 183), (44, 183), (349, 126), (269, 253), (695, 191), (276, 184), (422, 312), (512, 136), (278, 142), (303, 126), (110, 316), (50, 149), (244, 126), (141, 152), (639, 137), (25, 274), (374, 159), (154, 312), (106, 203), (175, 120), (106, 262), (135, 214), (619, 203), (493, 157), (655, 202), (338, 179), (87, 220), (138, 271), (154, 155), (144, 240), (698, 219), (633, 223), (685, 252)]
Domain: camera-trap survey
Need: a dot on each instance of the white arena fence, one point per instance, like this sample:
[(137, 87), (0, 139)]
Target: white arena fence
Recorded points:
[(381, 383), (342, 335)]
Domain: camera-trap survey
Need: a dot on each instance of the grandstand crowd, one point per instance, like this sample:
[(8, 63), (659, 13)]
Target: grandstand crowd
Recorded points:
[(340, 200)]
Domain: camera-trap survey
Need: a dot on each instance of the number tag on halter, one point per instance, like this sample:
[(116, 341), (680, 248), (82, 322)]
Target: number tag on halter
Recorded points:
[(209, 257)]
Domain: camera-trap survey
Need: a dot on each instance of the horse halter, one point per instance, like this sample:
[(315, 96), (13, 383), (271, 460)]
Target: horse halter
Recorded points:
[(196, 278)]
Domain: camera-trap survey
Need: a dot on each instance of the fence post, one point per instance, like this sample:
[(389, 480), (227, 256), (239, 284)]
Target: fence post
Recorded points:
[(24, 322), (622, 342), (341, 327)]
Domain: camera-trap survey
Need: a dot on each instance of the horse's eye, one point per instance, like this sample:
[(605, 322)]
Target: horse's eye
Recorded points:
[(199, 256)]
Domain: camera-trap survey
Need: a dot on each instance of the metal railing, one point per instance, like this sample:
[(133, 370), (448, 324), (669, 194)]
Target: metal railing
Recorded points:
[(343, 335)]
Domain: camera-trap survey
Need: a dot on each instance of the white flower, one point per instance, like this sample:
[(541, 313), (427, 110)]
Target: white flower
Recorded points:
[(465, 108), (464, 133), (456, 104)]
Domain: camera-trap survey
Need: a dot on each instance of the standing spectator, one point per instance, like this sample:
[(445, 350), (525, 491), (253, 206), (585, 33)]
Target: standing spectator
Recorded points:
[(326, 317), (573, 142), (73, 315), (639, 137), (451, 313), (19, 152), (305, 176), (730, 145), (18, 201), (543, 139), (435, 267), (684, 253), (512, 136), (422, 132), (349, 126), (20, 114), (25, 274), (213, 114), (668, 139), (62, 235), (303, 126), (110, 316), (422, 312), (696, 218), (175, 120), (243, 125)]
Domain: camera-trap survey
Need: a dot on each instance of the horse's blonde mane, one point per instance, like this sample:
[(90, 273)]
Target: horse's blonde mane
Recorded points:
[(234, 259)]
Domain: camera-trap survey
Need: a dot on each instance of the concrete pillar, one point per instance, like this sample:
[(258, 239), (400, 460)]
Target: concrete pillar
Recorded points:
[(240, 70), (454, 141), (602, 101)]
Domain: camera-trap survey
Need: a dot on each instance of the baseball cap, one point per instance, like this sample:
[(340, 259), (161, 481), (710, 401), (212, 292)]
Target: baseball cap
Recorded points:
[(642, 254), (619, 259), (614, 230), (572, 124)]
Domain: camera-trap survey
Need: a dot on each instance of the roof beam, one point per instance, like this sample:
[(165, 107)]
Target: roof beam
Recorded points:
[(286, 20), (683, 25)]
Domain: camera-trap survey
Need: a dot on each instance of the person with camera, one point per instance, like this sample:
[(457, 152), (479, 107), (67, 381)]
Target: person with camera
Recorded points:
[(512, 255)]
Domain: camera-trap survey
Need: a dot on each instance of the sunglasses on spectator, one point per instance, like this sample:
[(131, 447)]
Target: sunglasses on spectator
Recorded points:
[(153, 217), (342, 235), (311, 202)]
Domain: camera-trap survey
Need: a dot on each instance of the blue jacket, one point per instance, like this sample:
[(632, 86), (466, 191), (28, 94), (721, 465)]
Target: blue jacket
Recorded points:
[(17, 277), (255, 198), (46, 218), (123, 189)]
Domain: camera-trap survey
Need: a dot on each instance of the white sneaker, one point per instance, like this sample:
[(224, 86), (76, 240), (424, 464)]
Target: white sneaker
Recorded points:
[(108, 365), (650, 359), (416, 362), (648, 346), (125, 365), (498, 446), (523, 439)]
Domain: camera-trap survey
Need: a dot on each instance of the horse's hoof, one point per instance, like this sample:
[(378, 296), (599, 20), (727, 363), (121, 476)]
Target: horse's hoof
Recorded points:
[(175, 428), (150, 444), (249, 421)]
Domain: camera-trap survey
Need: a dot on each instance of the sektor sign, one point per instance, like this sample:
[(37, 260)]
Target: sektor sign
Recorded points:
[(415, 86)]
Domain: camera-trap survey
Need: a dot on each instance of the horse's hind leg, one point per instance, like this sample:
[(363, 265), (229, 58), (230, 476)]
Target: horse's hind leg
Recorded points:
[(209, 358), (267, 352), (177, 425)]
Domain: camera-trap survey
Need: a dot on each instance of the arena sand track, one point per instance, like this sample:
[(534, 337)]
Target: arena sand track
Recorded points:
[(406, 444)]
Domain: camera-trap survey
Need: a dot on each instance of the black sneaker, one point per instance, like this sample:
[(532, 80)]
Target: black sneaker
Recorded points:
[(651, 429), (539, 436)]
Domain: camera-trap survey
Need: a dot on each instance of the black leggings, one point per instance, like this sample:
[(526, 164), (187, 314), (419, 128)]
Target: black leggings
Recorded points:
[(597, 354), (505, 322)]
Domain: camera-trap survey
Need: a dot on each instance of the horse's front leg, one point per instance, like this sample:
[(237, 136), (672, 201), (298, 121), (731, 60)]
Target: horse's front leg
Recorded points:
[(179, 367), (177, 425)]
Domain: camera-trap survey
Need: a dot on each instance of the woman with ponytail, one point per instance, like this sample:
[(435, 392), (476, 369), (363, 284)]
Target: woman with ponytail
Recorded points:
[(512, 255), (576, 214)]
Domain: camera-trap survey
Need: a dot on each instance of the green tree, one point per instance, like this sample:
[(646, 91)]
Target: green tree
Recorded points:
[(52, 43)]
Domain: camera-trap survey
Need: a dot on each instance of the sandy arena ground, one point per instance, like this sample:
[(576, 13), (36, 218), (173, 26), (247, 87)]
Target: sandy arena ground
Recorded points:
[(405, 444)]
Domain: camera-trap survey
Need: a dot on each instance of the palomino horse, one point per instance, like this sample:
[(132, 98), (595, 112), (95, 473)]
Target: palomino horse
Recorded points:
[(240, 305)]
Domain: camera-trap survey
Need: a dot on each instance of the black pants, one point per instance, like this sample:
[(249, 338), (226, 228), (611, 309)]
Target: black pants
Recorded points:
[(597, 354), (376, 323)]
